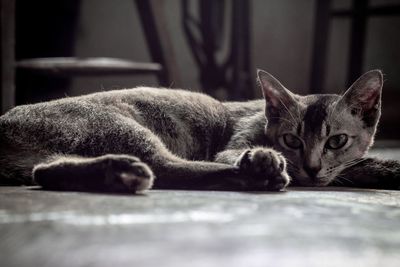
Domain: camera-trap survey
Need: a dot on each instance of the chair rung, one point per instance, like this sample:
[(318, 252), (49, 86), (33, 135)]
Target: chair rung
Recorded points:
[(70, 66), (390, 10)]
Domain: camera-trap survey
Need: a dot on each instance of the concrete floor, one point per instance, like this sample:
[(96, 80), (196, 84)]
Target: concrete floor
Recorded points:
[(301, 227)]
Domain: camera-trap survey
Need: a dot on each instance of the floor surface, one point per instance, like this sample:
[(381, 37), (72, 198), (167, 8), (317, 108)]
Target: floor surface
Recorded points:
[(301, 227)]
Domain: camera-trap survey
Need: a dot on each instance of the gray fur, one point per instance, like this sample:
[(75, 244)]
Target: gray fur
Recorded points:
[(130, 140)]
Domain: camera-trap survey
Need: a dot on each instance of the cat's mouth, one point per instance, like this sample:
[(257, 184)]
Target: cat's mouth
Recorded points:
[(323, 182), (319, 183), (311, 181)]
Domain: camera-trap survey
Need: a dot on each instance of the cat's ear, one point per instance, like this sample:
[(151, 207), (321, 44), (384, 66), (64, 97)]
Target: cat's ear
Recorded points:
[(364, 96), (277, 97)]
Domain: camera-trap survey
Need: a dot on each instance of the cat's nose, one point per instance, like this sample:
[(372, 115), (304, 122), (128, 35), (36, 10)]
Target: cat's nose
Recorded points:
[(312, 170)]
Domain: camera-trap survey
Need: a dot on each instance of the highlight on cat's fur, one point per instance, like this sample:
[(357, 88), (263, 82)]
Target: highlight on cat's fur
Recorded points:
[(135, 139)]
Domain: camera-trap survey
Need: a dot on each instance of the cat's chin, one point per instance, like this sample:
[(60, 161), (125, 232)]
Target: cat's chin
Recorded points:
[(306, 181), (322, 183)]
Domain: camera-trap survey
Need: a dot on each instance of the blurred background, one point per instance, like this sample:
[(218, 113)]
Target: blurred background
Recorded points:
[(52, 49)]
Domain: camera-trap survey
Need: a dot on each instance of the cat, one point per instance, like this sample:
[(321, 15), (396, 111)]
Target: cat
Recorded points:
[(136, 139)]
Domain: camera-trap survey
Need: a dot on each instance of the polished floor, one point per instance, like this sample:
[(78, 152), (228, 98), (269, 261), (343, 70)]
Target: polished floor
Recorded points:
[(300, 227)]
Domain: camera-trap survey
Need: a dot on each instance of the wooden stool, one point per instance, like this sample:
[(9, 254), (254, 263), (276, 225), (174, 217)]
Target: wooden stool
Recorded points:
[(157, 38)]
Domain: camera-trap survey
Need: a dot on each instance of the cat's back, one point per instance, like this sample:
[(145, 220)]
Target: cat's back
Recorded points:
[(175, 100), (154, 106), (180, 118), (137, 101), (191, 124)]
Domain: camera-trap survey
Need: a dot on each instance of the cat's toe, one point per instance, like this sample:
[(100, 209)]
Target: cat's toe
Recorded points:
[(125, 174), (267, 168), (279, 182), (139, 178)]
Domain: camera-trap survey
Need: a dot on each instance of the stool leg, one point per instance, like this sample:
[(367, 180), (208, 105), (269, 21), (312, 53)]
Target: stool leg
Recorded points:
[(7, 32), (158, 41), (242, 85)]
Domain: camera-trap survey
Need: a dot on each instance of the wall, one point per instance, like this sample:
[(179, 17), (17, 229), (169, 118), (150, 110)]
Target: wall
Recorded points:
[(282, 40)]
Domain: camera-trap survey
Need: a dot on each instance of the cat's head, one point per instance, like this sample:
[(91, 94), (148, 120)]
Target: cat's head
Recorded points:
[(320, 135)]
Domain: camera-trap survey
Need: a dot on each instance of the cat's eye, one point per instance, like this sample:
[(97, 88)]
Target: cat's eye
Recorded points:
[(292, 141), (337, 141)]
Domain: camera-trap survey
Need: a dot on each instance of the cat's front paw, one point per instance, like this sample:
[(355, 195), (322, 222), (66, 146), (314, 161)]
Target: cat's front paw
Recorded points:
[(266, 167)]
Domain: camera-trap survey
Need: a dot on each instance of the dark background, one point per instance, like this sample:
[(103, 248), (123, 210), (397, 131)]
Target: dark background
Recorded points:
[(282, 36)]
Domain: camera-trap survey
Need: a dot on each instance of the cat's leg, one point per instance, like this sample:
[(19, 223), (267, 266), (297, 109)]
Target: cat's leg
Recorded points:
[(124, 173), (108, 173), (265, 167), (170, 171), (197, 175), (100, 131), (371, 173)]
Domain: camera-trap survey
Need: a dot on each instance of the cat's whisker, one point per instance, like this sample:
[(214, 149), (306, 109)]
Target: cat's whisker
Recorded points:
[(342, 179), (293, 166), (293, 124), (288, 161), (340, 182), (353, 162), (339, 179), (298, 113), (290, 113), (334, 111), (342, 111), (345, 165)]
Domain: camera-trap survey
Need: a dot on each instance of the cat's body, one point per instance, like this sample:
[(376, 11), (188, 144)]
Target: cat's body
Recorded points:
[(119, 140)]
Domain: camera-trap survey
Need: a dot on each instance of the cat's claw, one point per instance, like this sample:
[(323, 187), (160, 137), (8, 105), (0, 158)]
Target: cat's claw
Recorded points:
[(266, 167)]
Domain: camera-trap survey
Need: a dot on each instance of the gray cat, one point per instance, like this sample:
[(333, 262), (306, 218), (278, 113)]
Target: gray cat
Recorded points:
[(133, 140)]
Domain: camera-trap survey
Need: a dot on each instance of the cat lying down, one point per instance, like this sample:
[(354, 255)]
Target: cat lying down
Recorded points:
[(137, 139)]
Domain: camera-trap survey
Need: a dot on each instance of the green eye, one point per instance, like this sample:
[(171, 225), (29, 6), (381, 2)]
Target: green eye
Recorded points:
[(337, 141), (292, 141)]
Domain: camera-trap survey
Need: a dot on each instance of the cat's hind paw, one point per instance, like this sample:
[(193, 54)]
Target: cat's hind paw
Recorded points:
[(108, 173), (129, 172), (266, 167)]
